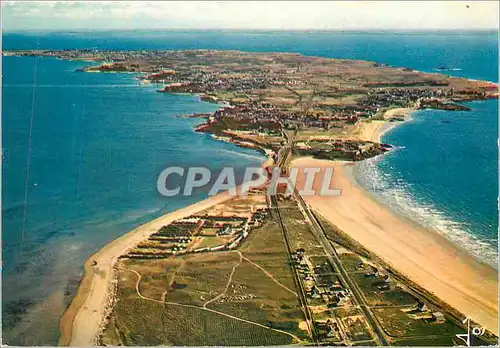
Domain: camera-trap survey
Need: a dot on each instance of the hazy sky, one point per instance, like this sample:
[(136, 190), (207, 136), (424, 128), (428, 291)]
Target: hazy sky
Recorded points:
[(59, 15)]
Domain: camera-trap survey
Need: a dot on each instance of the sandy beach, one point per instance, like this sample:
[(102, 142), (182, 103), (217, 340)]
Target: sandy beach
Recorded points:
[(82, 321), (373, 130), (423, 255)]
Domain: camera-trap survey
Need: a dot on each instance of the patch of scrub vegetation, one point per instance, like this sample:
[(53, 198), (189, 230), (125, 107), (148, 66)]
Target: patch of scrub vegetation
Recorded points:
[(350, 261), (354, 323), (138, 322), (397, 323), (262, 288), (265, 246), (439, 341), (299, 231), (261, 291), (393, 296), (426, 342), (254, 296), (339, 237)]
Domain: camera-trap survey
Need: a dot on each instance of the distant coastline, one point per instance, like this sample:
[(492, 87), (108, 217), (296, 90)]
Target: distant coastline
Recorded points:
[(379, 128)]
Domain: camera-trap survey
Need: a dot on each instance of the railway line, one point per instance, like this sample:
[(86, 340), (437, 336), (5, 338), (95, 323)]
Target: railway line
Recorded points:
[(334, 259), (298, 284), (331, 253)]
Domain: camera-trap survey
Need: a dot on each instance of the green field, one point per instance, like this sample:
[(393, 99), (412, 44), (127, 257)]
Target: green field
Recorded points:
[(138, 322), (299, 232), (253, 294), (210, 242), (395, 296), (397, 323), (350, 261)]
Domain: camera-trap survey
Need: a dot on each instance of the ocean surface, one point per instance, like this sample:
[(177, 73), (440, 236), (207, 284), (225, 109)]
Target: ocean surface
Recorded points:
[(81, 152), (444, 175)]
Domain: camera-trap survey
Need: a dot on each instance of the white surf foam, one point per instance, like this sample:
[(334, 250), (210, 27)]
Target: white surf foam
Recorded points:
[(246, 155), (396, 193)]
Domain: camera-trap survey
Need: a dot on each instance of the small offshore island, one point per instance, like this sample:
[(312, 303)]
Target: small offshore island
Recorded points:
[(276, 270)]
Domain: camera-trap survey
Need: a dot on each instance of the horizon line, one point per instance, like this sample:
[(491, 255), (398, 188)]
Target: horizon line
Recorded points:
[(62, 30)]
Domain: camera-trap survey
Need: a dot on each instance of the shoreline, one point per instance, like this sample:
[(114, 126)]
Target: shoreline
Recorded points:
[(375, 133), (421, 254), (82, 321), (485, 254), (353, 178), (375, 129)]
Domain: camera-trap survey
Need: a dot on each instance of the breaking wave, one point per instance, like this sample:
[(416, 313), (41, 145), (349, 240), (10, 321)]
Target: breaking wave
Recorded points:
[(447, 69), (395, 193), (246, 155)]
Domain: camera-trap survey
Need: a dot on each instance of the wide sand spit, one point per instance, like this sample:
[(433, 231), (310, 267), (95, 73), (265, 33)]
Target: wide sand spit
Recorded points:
[(423, 255)]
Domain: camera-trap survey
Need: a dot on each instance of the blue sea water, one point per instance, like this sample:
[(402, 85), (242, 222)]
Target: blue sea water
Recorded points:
[(98, 142), (444, 174), (96, 145)]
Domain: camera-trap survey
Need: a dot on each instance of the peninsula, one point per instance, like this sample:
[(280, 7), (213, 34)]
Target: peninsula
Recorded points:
[(265, 97), (285, 269)]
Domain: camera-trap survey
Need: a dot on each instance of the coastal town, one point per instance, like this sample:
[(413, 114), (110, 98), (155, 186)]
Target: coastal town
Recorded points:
[(267, 97), (269, 269)]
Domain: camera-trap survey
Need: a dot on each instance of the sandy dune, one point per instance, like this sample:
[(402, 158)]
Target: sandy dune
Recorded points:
[(424, 256)]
